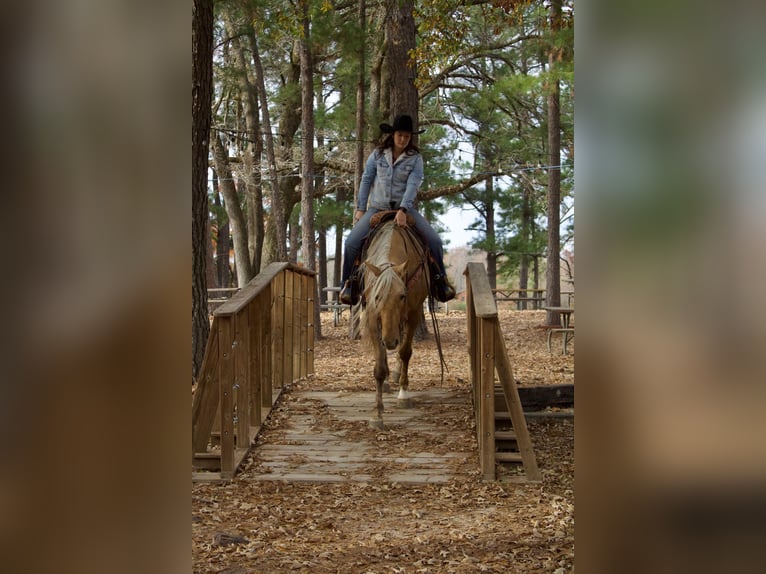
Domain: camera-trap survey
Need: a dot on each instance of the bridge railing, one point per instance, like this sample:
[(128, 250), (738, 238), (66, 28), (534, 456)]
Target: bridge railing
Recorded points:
[(488, 355), (260, 339)]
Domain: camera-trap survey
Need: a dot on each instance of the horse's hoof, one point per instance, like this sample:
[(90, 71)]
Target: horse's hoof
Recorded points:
[(386, 388), (404, 403), (377, 424)]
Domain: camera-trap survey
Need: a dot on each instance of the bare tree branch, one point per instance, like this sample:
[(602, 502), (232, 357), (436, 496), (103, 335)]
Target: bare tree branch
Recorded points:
[(457, 188)]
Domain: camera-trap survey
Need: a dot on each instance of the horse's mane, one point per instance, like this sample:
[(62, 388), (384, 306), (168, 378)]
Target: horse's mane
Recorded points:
[(382, 286), (377, 254), (380, 246)]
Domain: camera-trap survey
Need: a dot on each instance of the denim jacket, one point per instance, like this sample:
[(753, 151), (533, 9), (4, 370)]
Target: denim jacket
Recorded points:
[(384, 182)]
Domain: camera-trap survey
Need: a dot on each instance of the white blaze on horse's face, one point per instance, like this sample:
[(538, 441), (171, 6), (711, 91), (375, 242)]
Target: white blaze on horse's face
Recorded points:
[(390, 302)]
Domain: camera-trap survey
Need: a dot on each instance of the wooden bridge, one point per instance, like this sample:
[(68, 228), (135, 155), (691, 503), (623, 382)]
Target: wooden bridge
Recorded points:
[(326, 437), (262, 339)]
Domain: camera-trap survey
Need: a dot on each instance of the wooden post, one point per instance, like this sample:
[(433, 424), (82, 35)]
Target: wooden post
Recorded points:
[(278, 350), (226, 401), (270, 312), (486, 426), (313, 294), (471, 335), (299, 326), (289, 333), (241, 352), (258, 319)]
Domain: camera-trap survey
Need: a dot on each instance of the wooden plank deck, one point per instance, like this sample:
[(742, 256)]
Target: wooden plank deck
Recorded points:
[(326, 437)]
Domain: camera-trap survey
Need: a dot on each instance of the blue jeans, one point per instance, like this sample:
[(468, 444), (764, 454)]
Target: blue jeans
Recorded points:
[(362, 229)]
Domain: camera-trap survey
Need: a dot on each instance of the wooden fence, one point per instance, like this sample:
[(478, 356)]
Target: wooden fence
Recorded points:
[(261, 339), (488, 356)]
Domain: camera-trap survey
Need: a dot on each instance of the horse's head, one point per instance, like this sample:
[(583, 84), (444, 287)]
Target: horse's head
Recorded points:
[(386, 299)]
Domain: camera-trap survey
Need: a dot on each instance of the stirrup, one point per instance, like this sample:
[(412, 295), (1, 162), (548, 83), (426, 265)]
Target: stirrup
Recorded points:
[(345, 294), (442, 290)]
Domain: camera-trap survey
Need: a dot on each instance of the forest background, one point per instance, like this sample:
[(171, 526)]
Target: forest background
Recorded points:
[(299, 90)]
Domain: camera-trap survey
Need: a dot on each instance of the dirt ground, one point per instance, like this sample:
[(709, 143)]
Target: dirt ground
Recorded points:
[(462, 526)]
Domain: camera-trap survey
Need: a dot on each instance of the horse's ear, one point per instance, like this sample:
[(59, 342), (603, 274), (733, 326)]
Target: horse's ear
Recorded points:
[(372, 268), (401, 269)]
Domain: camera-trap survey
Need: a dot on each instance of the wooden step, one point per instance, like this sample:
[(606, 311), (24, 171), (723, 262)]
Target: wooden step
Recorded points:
[(505, 416), (539, 397), (505, 435), (211, 461), (207, 455), (508, 457), (207, 461)]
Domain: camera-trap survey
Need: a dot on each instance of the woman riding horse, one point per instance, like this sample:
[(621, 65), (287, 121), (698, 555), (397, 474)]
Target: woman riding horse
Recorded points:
[(391, 179)]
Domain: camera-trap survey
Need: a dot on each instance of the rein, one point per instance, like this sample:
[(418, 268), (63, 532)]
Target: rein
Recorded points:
[(431, 303)]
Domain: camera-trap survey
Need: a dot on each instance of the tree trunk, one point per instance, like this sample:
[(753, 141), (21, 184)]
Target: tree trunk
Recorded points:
[(400, 41), (210, 268), (336, 268), (552, 273), (377, 113), (269, 242), (361, 135), (234, 211), (489, 207), (398, 81), (294, 230), (278, 242), (319, 191), (322, 262), (527, 224), (536, 272), (307, 151), (252, 150), (255, 216), (289, 124), (360, 158), (202, 86), (523, 279), (210, 276), (255, 211), (223, 273)]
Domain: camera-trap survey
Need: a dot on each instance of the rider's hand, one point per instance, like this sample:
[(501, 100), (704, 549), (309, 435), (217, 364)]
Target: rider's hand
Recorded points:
[(358, 215), (401, 219)]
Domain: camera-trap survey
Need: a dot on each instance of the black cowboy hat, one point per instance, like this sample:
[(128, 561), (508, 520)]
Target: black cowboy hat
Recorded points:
[(402, 123)]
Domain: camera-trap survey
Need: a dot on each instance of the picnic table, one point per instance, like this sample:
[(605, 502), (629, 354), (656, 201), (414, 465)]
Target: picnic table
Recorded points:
[(536, 297), (333, 304), (566, 330)]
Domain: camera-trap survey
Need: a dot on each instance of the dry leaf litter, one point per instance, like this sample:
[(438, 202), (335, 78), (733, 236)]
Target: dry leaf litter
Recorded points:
[(464, 525)]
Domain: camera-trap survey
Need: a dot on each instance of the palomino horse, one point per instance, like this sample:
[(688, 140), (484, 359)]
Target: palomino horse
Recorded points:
[(395, 286)]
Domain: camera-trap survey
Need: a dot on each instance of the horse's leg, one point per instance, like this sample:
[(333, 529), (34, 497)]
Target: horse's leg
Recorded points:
[(405, 352), (393, 377), (381, 374)]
